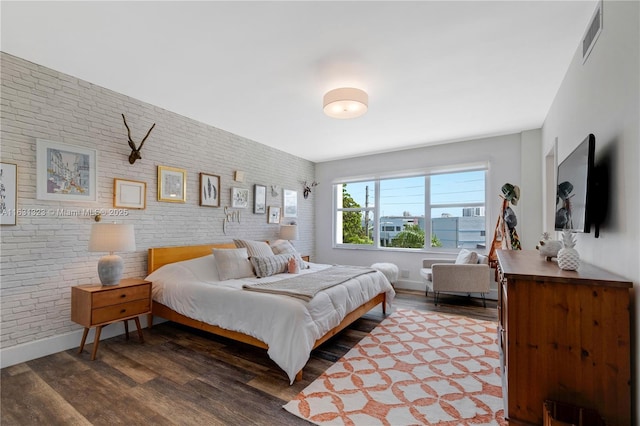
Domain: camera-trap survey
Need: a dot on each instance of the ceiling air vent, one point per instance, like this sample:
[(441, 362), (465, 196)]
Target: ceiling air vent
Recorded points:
[(594, 30)]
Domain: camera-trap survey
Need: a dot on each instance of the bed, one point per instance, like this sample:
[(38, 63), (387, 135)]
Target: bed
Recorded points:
[(190, 287)]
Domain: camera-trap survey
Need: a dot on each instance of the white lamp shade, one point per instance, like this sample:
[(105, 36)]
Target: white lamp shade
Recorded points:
[(346, 102), (110, 237), (289, 232)]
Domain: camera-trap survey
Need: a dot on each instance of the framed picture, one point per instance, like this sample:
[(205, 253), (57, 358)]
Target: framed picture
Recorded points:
[(290, 203), (274, 215), (129, 194), (209, 190), (239, 198), (259, 199), (8, 192), (65, 172), (172, 184)]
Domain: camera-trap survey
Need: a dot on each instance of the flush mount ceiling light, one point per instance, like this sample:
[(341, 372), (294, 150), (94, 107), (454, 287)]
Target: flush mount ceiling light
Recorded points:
[(345, 102)]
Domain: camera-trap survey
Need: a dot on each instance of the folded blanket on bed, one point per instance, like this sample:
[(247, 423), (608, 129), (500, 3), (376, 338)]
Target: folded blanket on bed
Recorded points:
[(308, 285)]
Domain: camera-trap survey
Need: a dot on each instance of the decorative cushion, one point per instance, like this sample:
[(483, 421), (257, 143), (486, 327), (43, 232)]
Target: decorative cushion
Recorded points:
[(483, 259), (390, 270), (254, 248), (465, 256), (274, 264), (282, 246), (232, 263)]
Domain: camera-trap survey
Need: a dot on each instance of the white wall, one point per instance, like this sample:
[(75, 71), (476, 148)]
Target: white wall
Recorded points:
[(502, 153), (602, 96), (42, 257)]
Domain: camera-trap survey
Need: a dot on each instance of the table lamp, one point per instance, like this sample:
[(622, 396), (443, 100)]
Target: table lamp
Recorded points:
[(110, 237), (289, 232)]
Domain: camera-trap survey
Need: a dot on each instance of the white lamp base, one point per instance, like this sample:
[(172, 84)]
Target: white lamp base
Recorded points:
[(110, 268)]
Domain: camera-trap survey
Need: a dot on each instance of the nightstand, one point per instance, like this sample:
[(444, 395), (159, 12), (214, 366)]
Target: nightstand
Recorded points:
[(95, 305)]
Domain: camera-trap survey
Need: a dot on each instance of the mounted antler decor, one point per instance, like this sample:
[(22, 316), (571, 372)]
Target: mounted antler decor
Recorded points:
[(307, 188), (135, 152)]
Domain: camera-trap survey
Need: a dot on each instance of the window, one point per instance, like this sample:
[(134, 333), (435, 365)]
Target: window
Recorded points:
[(400, 212)]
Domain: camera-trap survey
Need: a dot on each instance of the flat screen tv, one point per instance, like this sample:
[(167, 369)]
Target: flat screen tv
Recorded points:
[(574, 197)]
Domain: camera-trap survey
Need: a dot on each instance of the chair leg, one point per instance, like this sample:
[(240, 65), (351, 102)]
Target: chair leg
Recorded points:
[(484, 301), (435, 297)]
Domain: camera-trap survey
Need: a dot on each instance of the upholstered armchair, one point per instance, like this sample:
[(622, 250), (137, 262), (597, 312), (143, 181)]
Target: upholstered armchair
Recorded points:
[(469, 273)]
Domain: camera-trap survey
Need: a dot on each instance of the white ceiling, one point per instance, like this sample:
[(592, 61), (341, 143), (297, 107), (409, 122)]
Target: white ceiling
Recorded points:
[(435, 72)]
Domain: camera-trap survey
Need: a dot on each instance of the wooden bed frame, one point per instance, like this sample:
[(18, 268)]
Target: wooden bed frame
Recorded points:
[(161, 256)]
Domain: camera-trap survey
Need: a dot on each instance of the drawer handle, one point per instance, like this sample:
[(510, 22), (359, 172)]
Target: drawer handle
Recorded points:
[(122, 296), (123, 311)]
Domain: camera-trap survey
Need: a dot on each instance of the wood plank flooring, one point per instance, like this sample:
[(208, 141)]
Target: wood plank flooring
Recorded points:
[(180, 376)]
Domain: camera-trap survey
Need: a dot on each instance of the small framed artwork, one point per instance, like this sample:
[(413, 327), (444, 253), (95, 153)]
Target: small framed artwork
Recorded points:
[(239, 198), (129, 194), (65, 172), (209, 190), (274, 215), (259, 199), (290, 203), (172, 184), (8, 193)]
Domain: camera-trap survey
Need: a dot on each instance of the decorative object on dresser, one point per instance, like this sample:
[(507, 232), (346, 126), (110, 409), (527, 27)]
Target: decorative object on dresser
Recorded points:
[(111, 237), (129, 194), (172, 184), (547, 247), (8, 193), (568, 256), (209, 190), (96, 306), (563, 336), (135, 152)]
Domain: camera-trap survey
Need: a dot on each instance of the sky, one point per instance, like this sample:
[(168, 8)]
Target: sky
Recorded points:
[(407, 194)]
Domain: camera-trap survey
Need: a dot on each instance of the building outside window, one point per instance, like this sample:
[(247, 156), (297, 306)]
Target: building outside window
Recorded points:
[(449, 208)]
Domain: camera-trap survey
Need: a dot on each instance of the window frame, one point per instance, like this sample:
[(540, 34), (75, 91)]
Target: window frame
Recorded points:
[(337, 183)]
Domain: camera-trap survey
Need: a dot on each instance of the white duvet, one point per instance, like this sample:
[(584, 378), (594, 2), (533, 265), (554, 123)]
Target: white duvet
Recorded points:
[(289, 326)]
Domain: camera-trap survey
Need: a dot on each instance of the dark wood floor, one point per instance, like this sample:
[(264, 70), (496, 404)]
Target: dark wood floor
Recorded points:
[(179, 376)]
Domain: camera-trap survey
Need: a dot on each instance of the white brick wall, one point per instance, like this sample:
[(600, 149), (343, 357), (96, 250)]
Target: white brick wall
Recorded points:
[(42, 257)]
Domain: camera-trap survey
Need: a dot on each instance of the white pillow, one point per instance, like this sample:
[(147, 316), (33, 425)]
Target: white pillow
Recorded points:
[(233, 263), (466, 257), (254, 248), (282, 246), (203, 268)]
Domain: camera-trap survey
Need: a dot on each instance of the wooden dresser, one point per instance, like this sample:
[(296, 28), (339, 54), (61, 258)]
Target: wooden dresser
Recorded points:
[(564, 336)]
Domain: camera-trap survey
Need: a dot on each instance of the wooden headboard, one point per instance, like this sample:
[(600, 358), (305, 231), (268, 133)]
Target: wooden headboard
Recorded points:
[(160, 256)]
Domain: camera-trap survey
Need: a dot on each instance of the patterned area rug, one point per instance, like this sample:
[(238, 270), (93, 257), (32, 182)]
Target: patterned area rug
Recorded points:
[(413, 368)]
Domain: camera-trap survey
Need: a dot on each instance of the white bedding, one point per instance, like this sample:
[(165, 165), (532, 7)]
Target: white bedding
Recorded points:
[(289, 326)]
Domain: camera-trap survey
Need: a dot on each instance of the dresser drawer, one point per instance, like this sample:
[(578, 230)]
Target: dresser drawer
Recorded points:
[(121, 310), (120, 295)]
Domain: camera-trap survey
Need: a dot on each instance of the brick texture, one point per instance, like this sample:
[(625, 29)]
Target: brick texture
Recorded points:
[(43, 256)]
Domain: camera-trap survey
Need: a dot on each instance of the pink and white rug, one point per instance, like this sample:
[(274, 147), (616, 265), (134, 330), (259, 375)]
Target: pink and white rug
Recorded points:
[(413, 368)]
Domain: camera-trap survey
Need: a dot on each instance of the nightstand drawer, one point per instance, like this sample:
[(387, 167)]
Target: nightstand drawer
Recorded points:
[(121, 310), (120, 295)]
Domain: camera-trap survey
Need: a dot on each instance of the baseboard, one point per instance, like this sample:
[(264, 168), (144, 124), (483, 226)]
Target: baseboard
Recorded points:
[(421, 286), (63, 342)]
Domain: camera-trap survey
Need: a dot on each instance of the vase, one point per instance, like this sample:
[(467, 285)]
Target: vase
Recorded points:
[(568, 256)]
